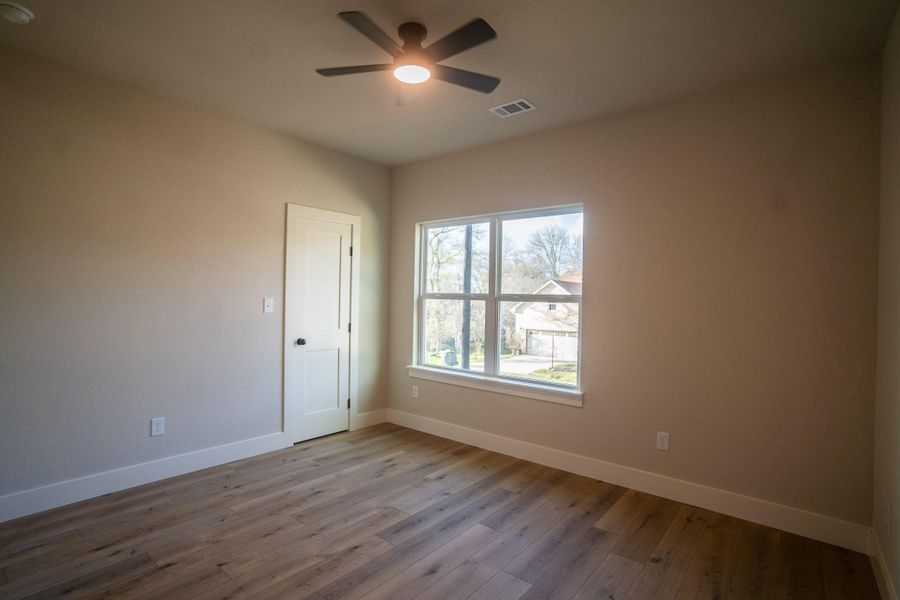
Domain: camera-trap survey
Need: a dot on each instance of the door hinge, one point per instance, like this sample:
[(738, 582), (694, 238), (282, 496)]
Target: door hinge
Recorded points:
[(349, 327), (351, 250), (348, 402)]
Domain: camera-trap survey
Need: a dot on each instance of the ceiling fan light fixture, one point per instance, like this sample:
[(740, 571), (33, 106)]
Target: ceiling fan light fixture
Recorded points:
[(412, 74)]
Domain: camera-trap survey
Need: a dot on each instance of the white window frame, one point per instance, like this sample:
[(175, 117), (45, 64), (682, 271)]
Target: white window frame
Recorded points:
[(490, 380)]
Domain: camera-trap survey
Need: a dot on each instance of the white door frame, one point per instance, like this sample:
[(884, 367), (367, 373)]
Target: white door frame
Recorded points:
[(289, 409)]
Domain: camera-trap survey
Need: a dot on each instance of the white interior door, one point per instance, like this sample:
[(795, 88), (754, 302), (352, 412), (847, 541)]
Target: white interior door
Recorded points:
[(317, 324)]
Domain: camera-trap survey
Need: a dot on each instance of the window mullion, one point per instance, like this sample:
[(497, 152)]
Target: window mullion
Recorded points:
[(420, 297), (579, 363), (558, 298), (491, 314), (453, 296)]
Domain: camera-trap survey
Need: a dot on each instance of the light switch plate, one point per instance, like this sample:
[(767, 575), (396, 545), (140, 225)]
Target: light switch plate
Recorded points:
[(662, 440), (268, 304)]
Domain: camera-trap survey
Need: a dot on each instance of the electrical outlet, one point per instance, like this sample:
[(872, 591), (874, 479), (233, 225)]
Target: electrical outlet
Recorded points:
[(415, 391), (268, 304), (662, 440), (157, 426)]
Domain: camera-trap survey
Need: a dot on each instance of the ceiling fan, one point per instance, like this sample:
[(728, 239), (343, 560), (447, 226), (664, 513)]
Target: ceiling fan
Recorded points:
[(414, 64)]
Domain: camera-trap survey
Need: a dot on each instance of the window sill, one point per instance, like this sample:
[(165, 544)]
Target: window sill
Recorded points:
[(535, 391)]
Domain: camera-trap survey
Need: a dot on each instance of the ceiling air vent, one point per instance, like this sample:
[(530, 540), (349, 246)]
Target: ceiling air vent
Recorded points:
[(516, 107)]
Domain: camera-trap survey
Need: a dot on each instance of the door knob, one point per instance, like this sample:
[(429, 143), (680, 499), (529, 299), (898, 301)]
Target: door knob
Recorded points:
[(301, 341)]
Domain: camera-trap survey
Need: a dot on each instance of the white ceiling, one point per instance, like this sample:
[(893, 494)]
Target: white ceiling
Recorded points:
[(574, 59)]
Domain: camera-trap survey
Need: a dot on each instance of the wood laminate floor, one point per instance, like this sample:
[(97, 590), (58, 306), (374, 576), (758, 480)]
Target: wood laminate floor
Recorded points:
[(391, 513)]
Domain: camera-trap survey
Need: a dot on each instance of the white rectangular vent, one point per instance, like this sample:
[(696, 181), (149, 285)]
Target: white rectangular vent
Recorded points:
[(516, 107)]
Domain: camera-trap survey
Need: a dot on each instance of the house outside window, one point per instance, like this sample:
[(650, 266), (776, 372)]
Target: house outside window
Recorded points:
[(499, 296)]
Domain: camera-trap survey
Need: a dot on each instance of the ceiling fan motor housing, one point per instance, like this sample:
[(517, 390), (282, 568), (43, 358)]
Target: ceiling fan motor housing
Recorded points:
[(412, 34)]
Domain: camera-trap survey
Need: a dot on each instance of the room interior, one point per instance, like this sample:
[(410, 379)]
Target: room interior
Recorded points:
[(234, 362)]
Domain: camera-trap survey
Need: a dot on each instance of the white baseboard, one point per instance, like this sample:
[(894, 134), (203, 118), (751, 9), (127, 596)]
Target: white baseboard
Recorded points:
[(880, 568), (42, 498), (367, 419), (795, 520)]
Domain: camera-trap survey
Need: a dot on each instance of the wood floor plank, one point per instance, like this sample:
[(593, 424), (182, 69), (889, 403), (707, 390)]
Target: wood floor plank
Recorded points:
[(264, 576), (502, 586), (756, 563), (449, 454), (571, 566), (421, 575), (246, 491), (322, 547), (420, 545), (661, 576), (58, 543), (157, 582), (847, 575), (309, 506), (597, 498), (95, 584), (541, 483), (461, 582), (50, 574), (190, 586), (315, 490), (802, 569), (639, 541), (334, 566), (392, 513), (523, 534), (611, 580), (411, 525), (54, 566), (449, 481), (708, 573), (59, 522)]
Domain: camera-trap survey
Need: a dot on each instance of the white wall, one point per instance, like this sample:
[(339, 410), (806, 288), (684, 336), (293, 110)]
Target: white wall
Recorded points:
[(730, 285), (887, 401), (138, 237)]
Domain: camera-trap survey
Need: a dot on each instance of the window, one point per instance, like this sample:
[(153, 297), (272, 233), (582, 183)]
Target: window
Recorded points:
[(500, 297)]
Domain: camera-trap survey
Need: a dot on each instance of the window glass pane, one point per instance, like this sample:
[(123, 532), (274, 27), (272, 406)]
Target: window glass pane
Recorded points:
[(542, 255), (538, 343), (454, 334), (456, 258)]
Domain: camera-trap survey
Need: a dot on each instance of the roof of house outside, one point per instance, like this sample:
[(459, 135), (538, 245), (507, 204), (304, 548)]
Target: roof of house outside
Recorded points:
[(572, 287)]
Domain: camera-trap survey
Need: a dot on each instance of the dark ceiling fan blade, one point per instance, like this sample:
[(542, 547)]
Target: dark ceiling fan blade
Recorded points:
[(468, 36), (474, 81), (351, 70), (365, 26)]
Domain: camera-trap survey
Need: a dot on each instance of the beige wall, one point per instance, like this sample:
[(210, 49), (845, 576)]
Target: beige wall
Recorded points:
[(730, 293), (138, 237), (887, 401)]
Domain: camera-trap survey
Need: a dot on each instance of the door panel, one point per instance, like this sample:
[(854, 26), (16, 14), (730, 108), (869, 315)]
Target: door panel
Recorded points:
[(323, 377), (317, 302), (324, 272)]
